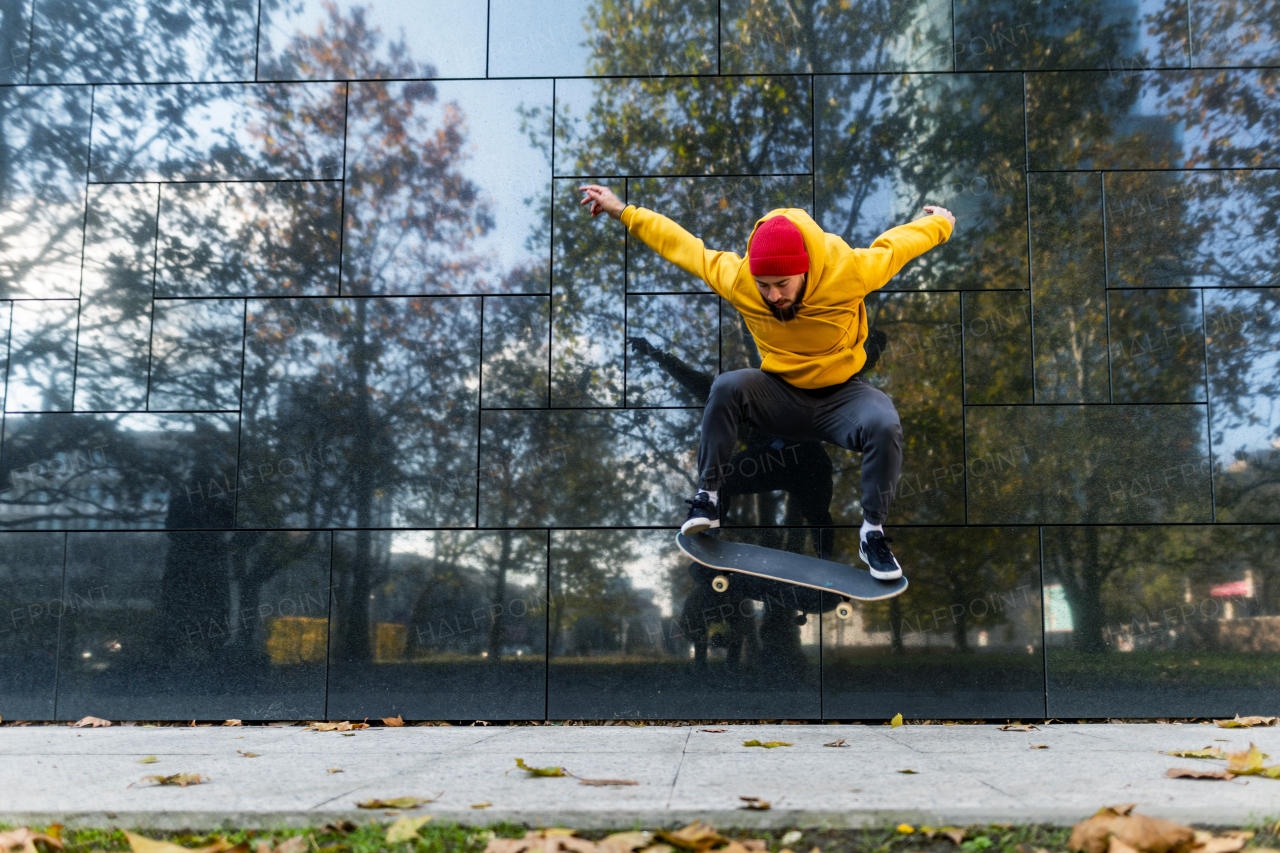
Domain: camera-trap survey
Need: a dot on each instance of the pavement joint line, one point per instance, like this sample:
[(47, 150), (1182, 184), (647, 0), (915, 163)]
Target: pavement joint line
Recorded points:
[(675, 778)]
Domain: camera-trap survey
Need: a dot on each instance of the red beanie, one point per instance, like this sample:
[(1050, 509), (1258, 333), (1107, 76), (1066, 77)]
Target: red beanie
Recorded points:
[(777, 248)]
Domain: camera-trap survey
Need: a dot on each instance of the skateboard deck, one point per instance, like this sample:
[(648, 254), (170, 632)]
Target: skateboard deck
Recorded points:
[(787, 567)]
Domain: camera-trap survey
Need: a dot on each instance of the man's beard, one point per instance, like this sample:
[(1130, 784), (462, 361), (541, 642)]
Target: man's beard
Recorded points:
[(789, 313)]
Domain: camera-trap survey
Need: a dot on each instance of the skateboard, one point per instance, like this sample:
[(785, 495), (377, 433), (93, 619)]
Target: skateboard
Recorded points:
[(847, 582)]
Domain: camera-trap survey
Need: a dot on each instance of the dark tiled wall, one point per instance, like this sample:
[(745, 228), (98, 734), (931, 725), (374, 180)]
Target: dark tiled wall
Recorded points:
[(323, 396)]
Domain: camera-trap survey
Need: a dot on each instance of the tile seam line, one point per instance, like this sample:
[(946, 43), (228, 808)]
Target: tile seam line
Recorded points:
[(435, 759), (981, 525), (675, 780), (643, 78), (599, 408)]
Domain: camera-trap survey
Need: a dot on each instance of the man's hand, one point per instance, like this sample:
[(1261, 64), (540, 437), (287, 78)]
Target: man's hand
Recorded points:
[(641, 346), (602, 200), (934, 210)]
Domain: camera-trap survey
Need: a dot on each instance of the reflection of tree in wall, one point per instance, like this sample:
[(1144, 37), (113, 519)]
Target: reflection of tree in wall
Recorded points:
[(392, 398), (1231, 111)]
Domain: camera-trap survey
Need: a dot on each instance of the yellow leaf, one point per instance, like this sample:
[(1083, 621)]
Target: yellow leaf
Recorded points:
[(906, 828), (896, 721), (182, 780), (142, 844), (539, 771), (1247, 762), (395, 803), (768, 744), (247, 754), (150, 759), (1207, 752), (483, 805), (406, 829)]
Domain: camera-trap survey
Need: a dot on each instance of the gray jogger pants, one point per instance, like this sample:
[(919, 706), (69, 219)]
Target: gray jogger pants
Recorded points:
[(854, 415)]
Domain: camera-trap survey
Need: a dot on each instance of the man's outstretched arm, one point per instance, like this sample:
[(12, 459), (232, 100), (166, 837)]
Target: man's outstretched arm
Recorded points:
[(891, 251), (668, 239)]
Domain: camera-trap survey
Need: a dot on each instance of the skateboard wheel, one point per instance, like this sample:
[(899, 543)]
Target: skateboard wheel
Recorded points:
[(720, 583), (844, 610)]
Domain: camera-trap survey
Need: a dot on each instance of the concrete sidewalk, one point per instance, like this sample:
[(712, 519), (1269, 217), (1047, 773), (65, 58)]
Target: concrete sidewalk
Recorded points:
[(963, 775)]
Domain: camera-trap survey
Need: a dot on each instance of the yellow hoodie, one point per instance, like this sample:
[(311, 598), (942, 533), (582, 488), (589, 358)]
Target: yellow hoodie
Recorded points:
[(822, 344)]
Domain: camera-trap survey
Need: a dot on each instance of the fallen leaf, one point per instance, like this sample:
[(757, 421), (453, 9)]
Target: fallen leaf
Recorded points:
[(182, 780), (736, 846), (233, 723), (1207, 752), (1245, 722), (896, 721), (658, 848), (339, 827), (1228, 842), (768, 744), (791, 837), (602, 783), (836, 743), (94, 722), (1247, 763), (713, 731), (541, 841), (397, 803), (142, 844), (956, 835), (697, 836), (343, 726), (248, 754), (906, 828), (406, 829), (395, 722), (911, 772), (336, 770), (1117, 825), (1018, 727), (539, 771), (150, 759), (624, 842), (25, 839), (483, 805), (756, 804), (296, 844), (1039, 746), (1187, 773)]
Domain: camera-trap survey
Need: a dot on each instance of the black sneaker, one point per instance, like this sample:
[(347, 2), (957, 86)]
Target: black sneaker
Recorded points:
[(876, 554), (703, 515)]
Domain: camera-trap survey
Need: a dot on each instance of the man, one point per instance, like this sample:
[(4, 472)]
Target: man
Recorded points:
[(800, 292)]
